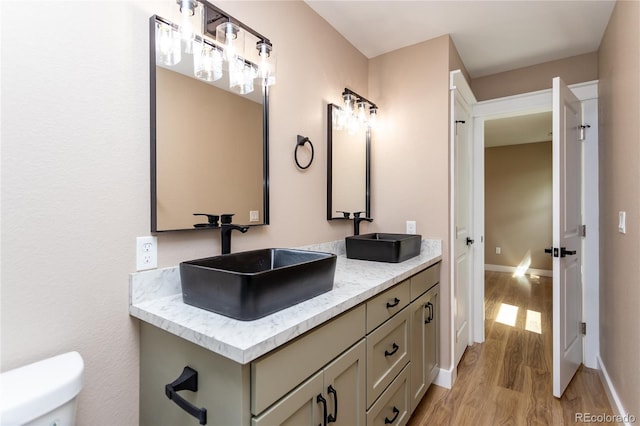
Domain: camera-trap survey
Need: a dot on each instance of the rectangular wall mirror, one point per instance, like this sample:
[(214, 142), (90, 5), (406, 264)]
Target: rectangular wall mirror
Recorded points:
[(209, 147), (348, 169)]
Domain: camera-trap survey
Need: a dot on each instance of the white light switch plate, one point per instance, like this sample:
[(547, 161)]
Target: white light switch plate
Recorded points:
[(622, 222), (411, 227)]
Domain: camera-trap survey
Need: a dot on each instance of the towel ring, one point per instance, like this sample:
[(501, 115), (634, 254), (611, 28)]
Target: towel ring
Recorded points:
[(302, 140)]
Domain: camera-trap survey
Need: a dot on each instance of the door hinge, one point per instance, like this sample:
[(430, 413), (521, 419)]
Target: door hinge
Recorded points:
[(583, 230), (582, 128), (583, 328)]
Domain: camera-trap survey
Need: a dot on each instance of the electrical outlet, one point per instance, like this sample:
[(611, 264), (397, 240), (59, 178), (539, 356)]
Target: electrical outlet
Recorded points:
[(146, 253), (254, 216), (498, 250), (411, 227)]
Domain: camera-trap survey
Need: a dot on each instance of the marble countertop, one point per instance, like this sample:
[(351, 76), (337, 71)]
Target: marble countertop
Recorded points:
[(156, 298)]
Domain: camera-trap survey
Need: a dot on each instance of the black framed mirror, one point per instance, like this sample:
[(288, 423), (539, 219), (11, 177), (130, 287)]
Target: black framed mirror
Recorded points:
[(348, 169), (209, 146)]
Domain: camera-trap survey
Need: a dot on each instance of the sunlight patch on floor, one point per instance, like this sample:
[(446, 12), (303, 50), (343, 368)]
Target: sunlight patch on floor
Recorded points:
[(533, 322), (507, 314)]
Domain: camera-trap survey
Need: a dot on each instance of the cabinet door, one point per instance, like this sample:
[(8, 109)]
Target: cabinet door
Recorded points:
[(299, 408), (419, 311), (432, 335), (344, 387), (425, 343)]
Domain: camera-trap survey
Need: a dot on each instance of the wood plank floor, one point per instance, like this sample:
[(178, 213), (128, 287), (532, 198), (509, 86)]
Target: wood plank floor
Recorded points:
[(507, 379)]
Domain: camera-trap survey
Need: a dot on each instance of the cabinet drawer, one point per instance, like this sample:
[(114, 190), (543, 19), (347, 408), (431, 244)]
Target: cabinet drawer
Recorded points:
[(393, 406), (387, 304), (279, 371), (387, 353), (424, 280)]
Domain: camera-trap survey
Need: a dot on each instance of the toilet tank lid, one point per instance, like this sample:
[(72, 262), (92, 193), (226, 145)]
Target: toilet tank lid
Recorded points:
[(28, 392)]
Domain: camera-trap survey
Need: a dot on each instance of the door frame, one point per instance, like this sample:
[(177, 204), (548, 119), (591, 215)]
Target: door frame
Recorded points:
[(531, 103)]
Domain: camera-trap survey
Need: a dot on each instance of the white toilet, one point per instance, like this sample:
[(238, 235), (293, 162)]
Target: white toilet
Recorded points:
[(43, 393)]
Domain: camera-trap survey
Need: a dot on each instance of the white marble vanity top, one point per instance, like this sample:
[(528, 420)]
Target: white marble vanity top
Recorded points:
[(156, 297)]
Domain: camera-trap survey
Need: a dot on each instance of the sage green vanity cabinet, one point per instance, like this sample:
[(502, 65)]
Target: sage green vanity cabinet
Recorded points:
[(338, 389), (370, 365)]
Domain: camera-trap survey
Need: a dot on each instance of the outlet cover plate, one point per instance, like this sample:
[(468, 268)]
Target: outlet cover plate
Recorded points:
[(146, 253)]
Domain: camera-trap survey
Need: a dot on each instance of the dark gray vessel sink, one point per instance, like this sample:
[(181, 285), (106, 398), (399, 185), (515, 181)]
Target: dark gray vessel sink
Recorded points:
[(252, 284), (381, 247)]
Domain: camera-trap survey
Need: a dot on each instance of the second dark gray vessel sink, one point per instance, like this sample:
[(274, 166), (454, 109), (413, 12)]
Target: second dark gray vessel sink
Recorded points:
[(252, 284), (382, 247)]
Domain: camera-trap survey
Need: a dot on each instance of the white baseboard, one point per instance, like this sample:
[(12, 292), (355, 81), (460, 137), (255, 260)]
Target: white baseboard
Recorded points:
[(512, 269), (445, 378), (614, 400)]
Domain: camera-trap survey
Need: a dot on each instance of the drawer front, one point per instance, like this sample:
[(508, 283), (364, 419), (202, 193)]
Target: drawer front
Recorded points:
[(387, 353), (393, 406), (279, 371), (387, 304), (424, 280)]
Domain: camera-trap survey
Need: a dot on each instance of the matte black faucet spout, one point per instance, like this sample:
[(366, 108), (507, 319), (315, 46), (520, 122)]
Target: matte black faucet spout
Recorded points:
[(356, 223), (225, 233)]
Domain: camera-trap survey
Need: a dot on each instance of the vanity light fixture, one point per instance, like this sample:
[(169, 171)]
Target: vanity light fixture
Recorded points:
[(354, 113), (219, 40)]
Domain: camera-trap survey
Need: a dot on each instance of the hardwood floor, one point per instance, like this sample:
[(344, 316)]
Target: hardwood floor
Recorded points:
[(507, 379)]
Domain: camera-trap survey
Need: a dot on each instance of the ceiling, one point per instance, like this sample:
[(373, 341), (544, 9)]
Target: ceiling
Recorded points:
[(491, 36)]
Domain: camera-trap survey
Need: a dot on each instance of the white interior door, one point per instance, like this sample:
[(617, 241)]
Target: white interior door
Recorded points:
[(462, 221), (567, 219)]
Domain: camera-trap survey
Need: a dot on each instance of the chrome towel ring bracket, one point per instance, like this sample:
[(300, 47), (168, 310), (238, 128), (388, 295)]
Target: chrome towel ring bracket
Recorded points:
[(302, 140)]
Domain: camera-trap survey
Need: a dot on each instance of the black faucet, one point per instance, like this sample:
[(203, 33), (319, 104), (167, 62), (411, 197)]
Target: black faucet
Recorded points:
[(356, 222), (225, 232)]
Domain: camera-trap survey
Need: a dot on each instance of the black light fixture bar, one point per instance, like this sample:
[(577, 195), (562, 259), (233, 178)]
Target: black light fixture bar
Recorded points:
[(215, 16), (358, 97)]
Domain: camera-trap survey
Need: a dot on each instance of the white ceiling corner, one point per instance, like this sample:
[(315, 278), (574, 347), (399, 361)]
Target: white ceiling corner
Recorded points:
[(491, 36)]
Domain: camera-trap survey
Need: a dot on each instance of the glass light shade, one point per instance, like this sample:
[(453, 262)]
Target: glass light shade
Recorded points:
[(187, 21), (236, 70), (207, 62), (373, 116), (362, 116), (339, 118), (267, 64), (168, 50), (231, 37), (243, 84)]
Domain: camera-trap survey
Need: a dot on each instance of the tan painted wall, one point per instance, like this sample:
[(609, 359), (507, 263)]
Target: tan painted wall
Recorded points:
[(410, 150), (518, 203), (576, 69), (75, 175), (619, 105)]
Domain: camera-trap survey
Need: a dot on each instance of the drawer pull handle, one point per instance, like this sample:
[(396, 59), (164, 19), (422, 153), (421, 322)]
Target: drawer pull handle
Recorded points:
[(395, 416), (188, 380), (393, 351), (430, 311), (320, 398), (394, 304), (332, 418), (428, 306)]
